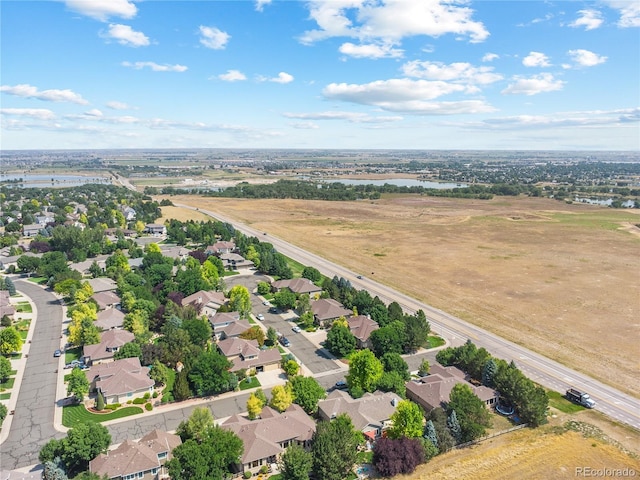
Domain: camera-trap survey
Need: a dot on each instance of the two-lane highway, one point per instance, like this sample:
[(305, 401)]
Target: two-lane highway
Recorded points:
[(546, 372)]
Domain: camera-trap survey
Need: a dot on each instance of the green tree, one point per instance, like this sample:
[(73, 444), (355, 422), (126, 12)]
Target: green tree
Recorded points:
[(393, 362), (82, 444), (454, 426), (210, 374), (10, 341), (364, 371), (391, 338), (99, 401), (312, 274), (284, 299), (181, 390), (210, 275), (78, 384), (438, 417), (291, 368), (254, 406), (424, 368), (489, 372), (199, 330), (254, 333), (240, 300), (5, 369), (307, 392), (128, 350), (11, 288), (340, 341), (296, 463), (471, 412), (210, 460), (197, 426), (53, 470), (263, 288), (28, 263), (272, 336), (430, 433), (3, 413), (159, 373), (50, 450), (303, 305), (417, 330), (334, 448), (83, 331), (407, 420), (281, 398), (393, 382)]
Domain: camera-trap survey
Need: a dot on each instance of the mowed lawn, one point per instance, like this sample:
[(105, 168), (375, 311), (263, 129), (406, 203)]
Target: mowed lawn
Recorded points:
[(558, 278)]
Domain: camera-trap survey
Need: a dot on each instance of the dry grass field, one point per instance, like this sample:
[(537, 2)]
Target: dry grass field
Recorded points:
[(561, 279)]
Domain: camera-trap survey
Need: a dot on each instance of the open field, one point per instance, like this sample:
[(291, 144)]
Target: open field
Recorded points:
[(560, 279), (527, 454)]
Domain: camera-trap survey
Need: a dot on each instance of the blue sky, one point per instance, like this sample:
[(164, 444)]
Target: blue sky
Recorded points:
[(406, 74)]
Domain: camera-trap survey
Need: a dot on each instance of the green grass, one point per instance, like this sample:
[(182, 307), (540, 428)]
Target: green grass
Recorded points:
[(230, 273), (556, 400), (252, 383), (8, 385), (24, 307), (167, 396), (435, 341), (296, 267), (72, 354), (5, 396), (364, 457), (38, 280), (73, 415)]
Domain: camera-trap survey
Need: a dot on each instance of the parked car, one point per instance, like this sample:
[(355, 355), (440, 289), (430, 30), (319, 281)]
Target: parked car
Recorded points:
[(285, 341), (296, 329), (341, 384), (359, 277), (57, 353), (260, 317), (266, 303)]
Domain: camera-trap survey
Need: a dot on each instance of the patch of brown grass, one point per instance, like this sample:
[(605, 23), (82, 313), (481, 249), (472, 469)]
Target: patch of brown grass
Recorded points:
[(557, 278)]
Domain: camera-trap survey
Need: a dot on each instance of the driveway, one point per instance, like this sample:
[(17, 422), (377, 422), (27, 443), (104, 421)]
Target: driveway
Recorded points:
[(313, 357)]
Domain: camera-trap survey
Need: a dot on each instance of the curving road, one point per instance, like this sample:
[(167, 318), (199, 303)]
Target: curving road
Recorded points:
[(546, 372)]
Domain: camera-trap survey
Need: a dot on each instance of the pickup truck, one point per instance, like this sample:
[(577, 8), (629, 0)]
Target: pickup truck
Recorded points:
[(580, 398)]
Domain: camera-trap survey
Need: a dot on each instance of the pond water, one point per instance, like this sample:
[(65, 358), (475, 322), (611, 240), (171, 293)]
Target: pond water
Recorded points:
[(400, 182), (46, 181)]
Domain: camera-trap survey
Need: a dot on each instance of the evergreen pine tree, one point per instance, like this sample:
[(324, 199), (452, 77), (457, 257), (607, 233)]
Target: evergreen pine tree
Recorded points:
[(430, 433), (454, 426), (10, 286), (53, 470), (100, 402), (489, 372)]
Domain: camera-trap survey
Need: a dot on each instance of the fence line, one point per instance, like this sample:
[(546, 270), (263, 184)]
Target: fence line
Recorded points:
[(496, 434)]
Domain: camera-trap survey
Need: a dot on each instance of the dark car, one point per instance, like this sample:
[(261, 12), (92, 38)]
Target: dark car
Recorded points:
[(285, 341), (57, 353), (341, 384)]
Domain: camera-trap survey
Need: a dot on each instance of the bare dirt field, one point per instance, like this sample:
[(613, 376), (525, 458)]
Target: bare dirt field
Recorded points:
[(561, 279)]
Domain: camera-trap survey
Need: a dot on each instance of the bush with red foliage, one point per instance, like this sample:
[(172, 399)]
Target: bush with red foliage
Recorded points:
[(397, 456)]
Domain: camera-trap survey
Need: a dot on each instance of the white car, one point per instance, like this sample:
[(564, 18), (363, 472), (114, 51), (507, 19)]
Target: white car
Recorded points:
[(260, 317), (296, 329), (266, 303)]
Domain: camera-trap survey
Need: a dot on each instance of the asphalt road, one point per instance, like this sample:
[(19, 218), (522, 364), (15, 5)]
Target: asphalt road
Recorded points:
[(551, 374), (32, 423)]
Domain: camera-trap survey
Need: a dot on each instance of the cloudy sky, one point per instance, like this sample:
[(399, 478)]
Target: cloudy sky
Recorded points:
[(414, 74)]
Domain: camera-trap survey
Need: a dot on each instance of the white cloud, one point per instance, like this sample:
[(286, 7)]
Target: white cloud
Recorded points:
[(391, 20), (370, 50), (29, 91), (533, 85), (536, 59), (458, 71), (232, 76), (629, 12), (283, 77), (261, 3), (212, 37), (125, 35), (304, 125), (489, 57), (353, 117), (406, 96), (115, 105), (585, 58), (94, 112), (155, 66), (103, 9), (589, 19), (38, 113)]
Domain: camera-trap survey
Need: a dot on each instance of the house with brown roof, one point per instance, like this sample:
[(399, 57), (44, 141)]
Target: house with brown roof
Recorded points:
[(144, 459), (110, 319), (5, 304), (105, 300), (207, 302), (220, 248), (326, 310), (228, 325), (371, 413), (110, 343), (299, 286), (102, 284), (434, 390), (246, 354), (120, 380), (233, 261), (361, 327), (266, 438)]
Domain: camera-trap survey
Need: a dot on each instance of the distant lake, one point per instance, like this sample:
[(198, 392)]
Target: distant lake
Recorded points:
[(607, 202), (401, 182), (45, 181)]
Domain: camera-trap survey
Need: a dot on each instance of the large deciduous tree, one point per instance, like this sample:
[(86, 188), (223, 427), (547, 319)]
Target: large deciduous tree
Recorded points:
[(296, 463), (407, 421), (472, 414), (364, 372), (307, 392), (240, 300), (210, 374), (399, 456), (334, 448), (10, 341), (340, 341), (78, 384), (197, 426)]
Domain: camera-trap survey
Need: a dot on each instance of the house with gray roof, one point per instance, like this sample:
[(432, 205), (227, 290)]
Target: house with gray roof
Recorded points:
[(361, 327), (206, 302), (371, 413), (102, 284), (31, 230), (110, 319), (434, 390), (106, 300), (110, 343), (120, 380), (246, 354), (144, 459), (233, 261), (220, 248), (266, 438), (326, 310), (156, 229), (299, 286)]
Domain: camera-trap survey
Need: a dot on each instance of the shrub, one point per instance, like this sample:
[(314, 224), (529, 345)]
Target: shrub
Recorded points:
[(155, 395), (247, 474), (129, 402), (112, 406), (146, 396), (264, 469), (138, 401), (148, 407)]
